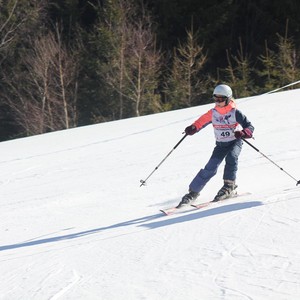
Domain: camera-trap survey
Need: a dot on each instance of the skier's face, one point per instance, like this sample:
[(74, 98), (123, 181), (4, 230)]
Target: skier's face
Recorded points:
[(220, 100)]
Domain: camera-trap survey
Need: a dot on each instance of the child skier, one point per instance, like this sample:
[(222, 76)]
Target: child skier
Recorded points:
[(225, 118)]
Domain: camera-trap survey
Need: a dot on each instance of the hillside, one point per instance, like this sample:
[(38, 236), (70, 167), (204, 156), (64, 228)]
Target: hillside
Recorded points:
[(75, 223)]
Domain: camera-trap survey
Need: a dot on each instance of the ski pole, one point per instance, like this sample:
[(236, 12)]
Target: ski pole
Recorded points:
[(298, 181), (143, 182)]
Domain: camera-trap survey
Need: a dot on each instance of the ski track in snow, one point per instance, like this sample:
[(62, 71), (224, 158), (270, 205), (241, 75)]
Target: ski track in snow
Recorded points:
[(74, 279)]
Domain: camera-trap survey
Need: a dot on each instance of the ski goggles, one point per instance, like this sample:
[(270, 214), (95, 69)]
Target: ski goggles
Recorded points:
[(219, 99)]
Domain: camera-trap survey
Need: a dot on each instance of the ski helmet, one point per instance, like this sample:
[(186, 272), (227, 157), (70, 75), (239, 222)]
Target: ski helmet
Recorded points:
[(223, 90)]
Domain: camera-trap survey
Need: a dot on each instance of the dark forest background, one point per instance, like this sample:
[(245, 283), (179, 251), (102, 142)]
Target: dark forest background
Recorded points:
[(68, 63)]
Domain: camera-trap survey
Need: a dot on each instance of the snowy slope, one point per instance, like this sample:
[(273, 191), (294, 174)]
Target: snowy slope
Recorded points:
[(75, 224)]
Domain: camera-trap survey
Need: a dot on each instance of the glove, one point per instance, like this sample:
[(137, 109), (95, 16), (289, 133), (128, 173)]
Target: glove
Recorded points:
[(190, 130), (245, 133)]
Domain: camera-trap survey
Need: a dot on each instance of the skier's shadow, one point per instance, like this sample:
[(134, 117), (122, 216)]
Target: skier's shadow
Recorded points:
[(187, 217), (145, 222), (76, 235)]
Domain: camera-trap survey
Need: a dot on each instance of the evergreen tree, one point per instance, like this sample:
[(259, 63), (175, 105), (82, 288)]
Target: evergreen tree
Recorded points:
[(186, 83), (281, 66), (238, 73)]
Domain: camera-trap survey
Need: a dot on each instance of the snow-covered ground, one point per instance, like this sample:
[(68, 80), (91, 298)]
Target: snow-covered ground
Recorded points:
[(75, 223)]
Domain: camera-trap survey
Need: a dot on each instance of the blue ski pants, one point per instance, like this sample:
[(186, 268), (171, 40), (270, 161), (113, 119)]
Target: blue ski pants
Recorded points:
[(228, 150)]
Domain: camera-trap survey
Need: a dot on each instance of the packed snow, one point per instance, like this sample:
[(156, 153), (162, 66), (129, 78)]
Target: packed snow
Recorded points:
[(75, 223)]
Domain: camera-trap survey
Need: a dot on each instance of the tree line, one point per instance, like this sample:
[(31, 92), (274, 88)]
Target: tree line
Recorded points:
[(70, 63)]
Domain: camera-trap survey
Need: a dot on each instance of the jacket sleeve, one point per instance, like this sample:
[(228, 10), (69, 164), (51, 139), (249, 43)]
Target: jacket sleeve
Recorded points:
[(204, 120), (243, 120)]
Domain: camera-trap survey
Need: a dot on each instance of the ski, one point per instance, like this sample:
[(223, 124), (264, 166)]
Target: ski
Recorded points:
[(187, 208), (174, 210), (202, 205)]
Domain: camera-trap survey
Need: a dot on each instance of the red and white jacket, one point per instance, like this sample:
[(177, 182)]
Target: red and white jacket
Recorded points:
[(225, 121)]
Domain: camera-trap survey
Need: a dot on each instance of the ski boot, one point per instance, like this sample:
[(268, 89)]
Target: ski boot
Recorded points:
[(228, 190), (188, 199)]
